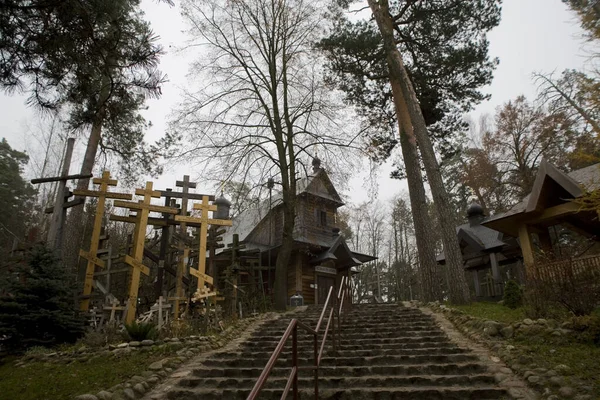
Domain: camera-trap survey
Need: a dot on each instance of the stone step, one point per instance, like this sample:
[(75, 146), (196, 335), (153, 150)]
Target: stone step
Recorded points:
[(306, 380), (388, 359), (484, 392), (361, 352), (357, 371)]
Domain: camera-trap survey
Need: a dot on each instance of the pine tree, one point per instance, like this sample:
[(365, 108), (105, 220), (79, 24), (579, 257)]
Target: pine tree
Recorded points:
[(37, 305)]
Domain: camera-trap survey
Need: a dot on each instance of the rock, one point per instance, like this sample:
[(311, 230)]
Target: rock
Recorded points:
[(566, 392), (153, 380), (510, 347), (499, 377), (123, 350), (556, 380), (122, 345), (104, 395), (129, 394), (189, 353), (541, 321), (147, 342), (174, 340), (157, 365), (534, 379), (136, 379), (556, 332), (527, 374), (551, 372), (134, 344), (139, 388), (507, 332), (583, 397), (86, 397), (527, 321), (505, 370), (116, 388), (562, 368), (553, 397)]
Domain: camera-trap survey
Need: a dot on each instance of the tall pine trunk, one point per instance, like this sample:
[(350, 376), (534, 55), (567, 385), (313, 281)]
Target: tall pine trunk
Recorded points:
[(458, 289)]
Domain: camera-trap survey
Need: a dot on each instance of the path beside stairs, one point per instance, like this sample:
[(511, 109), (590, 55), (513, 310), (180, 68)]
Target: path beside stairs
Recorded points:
[(388, 351)]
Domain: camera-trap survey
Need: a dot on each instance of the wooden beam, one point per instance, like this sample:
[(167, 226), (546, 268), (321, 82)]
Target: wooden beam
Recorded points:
[(60, 178), (555, 212)]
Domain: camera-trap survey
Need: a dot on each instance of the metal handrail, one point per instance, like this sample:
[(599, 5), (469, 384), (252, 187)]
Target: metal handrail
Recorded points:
[(292, 330)]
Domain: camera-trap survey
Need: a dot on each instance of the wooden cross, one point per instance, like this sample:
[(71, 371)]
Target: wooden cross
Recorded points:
[(184, 251), (205, 207), (115, 307), (59, 210), (92, 255), (143, 208)]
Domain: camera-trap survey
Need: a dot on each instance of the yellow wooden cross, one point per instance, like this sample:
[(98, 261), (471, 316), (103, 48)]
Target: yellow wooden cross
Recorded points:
[(143, 208), (92, 255), (204, 221)]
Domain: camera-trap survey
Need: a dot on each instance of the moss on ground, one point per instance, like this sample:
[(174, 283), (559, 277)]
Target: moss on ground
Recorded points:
[(493, 311), (581, 359), (42, 380), (545, 352)]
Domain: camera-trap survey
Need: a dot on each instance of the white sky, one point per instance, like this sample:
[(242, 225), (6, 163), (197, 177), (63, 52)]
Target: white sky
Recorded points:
[(534, 36)]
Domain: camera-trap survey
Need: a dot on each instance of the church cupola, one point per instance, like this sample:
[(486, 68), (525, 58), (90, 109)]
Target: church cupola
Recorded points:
[(475, 214)]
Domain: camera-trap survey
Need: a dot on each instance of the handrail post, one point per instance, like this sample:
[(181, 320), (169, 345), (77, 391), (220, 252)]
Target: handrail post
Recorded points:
[(316, 368), (295, 361), (333, 325)]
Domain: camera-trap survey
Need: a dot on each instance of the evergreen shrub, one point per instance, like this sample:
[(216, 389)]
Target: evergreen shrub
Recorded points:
[(141, 331), (37, 303), (513, 296)]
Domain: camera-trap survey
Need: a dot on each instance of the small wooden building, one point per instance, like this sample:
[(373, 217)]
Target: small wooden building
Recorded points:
[(551, 204), (489, 256), (320, 255)]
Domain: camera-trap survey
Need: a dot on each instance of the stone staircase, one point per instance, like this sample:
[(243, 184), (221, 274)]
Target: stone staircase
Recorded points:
[(387, 352)]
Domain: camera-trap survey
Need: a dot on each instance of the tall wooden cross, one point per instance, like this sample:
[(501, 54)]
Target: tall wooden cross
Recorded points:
[(59, 210), (143, 208), (183, 249), (92, 255), (204, 221)]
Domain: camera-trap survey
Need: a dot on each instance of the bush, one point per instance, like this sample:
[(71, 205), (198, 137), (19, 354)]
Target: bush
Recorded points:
[(587, 328), (141, 331), (36, 304), (513, 296)]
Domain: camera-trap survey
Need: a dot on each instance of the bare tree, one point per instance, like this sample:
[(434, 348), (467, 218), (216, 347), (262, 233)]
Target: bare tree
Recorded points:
[(263, 109)]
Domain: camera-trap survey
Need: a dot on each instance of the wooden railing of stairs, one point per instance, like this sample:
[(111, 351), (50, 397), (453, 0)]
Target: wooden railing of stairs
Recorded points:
[(340, 303)]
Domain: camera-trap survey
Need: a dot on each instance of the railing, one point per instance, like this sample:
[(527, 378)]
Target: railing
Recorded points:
[(581, 268), (343, 296)]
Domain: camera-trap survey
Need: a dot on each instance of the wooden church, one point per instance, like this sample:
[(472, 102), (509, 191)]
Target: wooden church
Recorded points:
[(320, 255)]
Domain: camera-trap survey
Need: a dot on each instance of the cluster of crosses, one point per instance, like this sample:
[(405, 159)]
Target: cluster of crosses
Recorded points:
[(143, 209), (171, 216)]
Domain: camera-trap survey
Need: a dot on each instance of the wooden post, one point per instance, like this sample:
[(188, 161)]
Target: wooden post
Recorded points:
[(526, 247), (143, 208), (92, 255)]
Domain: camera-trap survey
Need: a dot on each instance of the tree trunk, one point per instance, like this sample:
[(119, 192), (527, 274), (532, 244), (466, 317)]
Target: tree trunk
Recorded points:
[(458, 289)]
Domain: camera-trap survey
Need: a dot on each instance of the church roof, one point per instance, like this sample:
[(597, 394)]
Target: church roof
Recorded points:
[(318, 184)]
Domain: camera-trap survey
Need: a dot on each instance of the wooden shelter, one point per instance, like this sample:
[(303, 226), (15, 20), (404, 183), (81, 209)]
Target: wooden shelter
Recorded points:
[(549, 204), (490, 257), (320, 255)]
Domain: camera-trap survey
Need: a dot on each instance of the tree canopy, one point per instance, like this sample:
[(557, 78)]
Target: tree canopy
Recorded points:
[(16, 195)]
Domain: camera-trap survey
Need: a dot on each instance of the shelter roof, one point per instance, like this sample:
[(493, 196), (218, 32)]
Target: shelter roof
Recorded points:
[(551, 188)]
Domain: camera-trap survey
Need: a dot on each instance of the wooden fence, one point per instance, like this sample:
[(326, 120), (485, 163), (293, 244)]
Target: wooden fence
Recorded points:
[(573, 269)]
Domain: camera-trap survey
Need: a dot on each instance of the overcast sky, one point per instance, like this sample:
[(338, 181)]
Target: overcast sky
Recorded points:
[(534, 36)]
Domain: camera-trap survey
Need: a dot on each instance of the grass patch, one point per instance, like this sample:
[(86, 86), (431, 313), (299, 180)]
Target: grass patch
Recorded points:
[(39, 380), (582, 359), (493, 311)]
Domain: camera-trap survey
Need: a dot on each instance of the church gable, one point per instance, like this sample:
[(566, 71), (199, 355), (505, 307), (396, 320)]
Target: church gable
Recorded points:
[(321, 186)]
